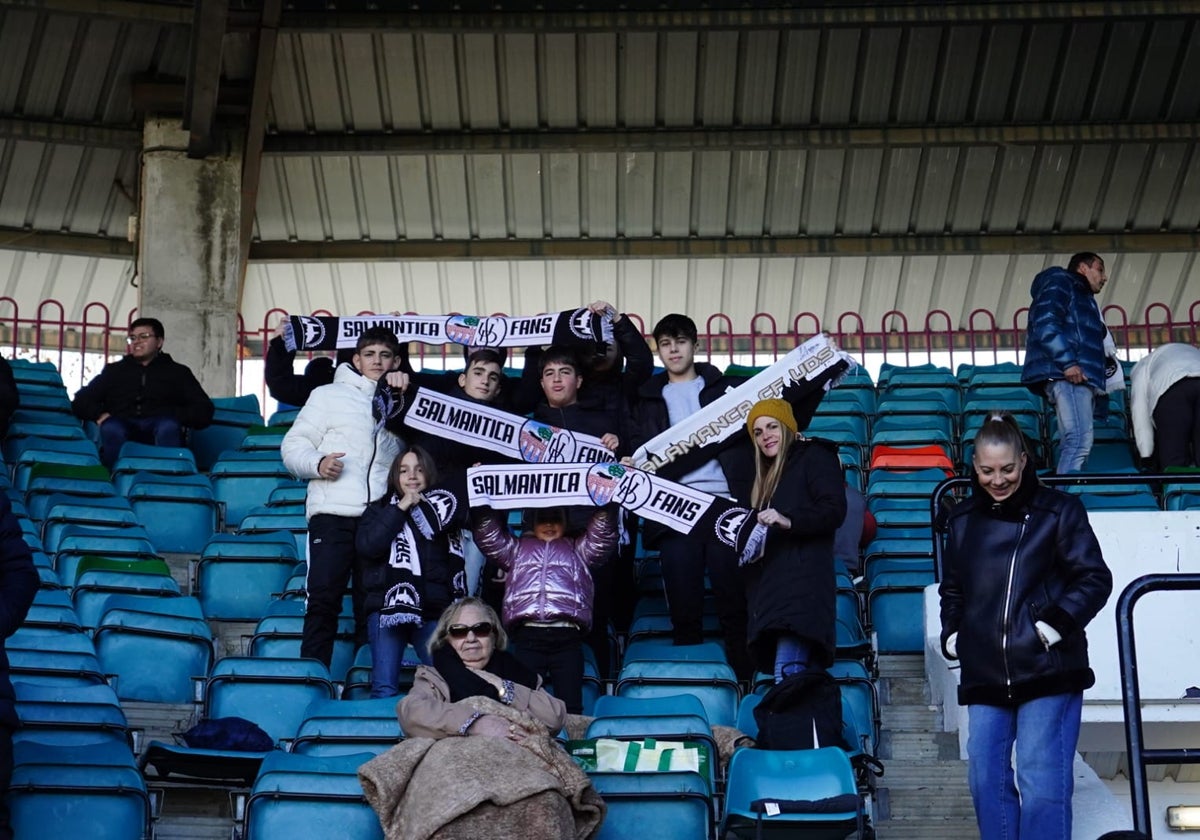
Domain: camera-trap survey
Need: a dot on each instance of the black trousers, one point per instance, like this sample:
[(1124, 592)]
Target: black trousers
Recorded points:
[(1177, 425), (332, 566), (684, 559), (557, 654)]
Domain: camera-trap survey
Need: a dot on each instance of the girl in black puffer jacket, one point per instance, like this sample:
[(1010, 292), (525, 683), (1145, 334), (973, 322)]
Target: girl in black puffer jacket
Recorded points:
[(1023, 576)]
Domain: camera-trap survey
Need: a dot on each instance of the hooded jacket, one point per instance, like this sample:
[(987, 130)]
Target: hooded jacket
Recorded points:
[(547, 581), (1065, 329), (338, 418), (1150, 379), (161, 388), (1032, 557)]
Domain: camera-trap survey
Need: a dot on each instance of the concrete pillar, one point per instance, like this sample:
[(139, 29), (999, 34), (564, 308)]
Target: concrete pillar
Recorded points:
[(190, 222)]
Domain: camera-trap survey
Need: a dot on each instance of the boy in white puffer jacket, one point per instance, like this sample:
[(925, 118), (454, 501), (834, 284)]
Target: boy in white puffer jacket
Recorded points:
[(336, 443)]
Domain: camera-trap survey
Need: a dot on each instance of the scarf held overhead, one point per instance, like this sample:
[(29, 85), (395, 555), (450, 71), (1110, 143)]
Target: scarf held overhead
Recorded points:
[(681, 508), (485, 427), (809, 364), (574, 327)]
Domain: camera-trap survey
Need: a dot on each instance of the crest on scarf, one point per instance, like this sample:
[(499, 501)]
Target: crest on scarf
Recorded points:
[(314, 331), (402, 595), (729, 525), (444, 504), (473, 330), (459, 585), (543, 444), (580, 324), (387, 403), (602, 482)]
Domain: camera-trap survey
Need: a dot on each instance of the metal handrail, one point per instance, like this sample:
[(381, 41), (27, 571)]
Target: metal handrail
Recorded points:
[(1139, 755)]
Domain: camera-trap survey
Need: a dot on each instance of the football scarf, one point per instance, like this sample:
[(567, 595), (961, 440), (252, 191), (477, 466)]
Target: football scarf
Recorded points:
[(402, 603), (681, 508), (817, 363), (574, 328), (481, 425)]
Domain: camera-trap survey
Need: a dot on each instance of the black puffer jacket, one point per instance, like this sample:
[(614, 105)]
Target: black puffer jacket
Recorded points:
[(1032, 557)]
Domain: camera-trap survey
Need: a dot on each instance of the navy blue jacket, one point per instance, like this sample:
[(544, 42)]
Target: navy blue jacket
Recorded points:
[(1065, 329), (18, 585)]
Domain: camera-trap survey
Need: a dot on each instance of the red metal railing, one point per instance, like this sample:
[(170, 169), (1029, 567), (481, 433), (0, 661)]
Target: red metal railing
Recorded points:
[(49, 335)]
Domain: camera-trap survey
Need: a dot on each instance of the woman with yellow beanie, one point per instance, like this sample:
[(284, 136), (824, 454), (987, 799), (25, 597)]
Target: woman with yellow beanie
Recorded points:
[(800, 492)]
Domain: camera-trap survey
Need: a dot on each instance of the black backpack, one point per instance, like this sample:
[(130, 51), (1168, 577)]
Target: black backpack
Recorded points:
[(801, 713)]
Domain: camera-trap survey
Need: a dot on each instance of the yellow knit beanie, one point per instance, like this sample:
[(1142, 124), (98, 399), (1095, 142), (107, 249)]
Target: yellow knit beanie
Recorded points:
[(781, 410)]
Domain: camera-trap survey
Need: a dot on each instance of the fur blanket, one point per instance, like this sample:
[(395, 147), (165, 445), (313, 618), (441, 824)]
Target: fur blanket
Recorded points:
[(465, 788)]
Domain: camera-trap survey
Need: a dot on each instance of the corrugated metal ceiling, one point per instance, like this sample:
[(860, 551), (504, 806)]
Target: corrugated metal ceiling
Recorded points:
[(931, 132)]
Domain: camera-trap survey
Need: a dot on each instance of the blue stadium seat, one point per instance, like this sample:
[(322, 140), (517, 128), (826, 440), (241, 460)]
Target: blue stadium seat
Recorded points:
[(178, 511), (239, 574), (310, 796), (713, 682), (232, 417), (79, 541), (664, 805), (280, 631), (143, 457), (49, 480), (155, 647), (263, 519), (268, 438), (50, 451), (272, 693), (70, 715), (242, 481), (87, 790), (343, 727), (105, 513), (99, 579), (790, 776), (895, 609)]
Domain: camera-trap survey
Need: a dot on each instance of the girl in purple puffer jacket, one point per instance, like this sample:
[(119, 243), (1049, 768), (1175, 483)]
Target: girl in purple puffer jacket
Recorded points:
[(548, 590)]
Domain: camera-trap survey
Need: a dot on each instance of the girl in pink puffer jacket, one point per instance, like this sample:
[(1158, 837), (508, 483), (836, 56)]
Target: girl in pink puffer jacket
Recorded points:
[(548, 589)]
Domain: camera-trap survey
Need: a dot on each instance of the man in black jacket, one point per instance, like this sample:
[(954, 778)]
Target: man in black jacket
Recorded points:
[(18, 585), (145, 397)]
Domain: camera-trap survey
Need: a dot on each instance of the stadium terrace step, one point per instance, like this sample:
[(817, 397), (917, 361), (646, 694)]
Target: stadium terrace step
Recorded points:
[(923, 793)]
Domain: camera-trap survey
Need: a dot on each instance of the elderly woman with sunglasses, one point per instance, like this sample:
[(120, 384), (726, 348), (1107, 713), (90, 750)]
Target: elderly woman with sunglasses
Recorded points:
[(469, 660)]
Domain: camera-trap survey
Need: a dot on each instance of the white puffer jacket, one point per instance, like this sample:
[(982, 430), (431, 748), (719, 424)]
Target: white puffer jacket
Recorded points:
[(1150, 379), (337, 418)]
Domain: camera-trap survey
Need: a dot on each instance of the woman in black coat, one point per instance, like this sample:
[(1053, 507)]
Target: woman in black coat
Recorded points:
[(799, 488), (1023, 576)]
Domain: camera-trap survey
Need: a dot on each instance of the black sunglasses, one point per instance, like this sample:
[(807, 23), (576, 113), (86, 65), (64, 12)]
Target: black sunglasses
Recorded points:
[(460, 631)]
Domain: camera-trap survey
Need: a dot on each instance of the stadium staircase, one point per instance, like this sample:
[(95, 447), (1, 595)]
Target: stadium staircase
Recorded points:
[(923, 793)]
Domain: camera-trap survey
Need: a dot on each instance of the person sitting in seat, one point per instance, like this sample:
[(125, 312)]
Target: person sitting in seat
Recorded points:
[(479, 758), (146, 397)]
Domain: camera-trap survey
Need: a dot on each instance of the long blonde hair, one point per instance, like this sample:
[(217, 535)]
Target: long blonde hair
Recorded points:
[(767, 471)]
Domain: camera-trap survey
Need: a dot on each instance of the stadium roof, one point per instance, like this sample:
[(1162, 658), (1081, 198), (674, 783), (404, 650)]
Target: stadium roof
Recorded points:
[(518, 156)]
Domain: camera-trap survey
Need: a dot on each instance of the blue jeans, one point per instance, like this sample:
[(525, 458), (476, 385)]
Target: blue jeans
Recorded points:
[(791, 656), (387, 652), (1075, 407), (159, 431), (1045, 731)]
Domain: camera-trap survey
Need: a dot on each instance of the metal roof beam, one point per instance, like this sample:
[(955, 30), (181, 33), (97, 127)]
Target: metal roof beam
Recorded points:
[(74, 244), (119, 9), (738, 139), (694, 14), (204, 75), (69, 133), (730, 246)]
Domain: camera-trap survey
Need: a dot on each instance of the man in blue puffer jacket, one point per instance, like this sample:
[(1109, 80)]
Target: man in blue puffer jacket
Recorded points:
[(1064, 351)]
